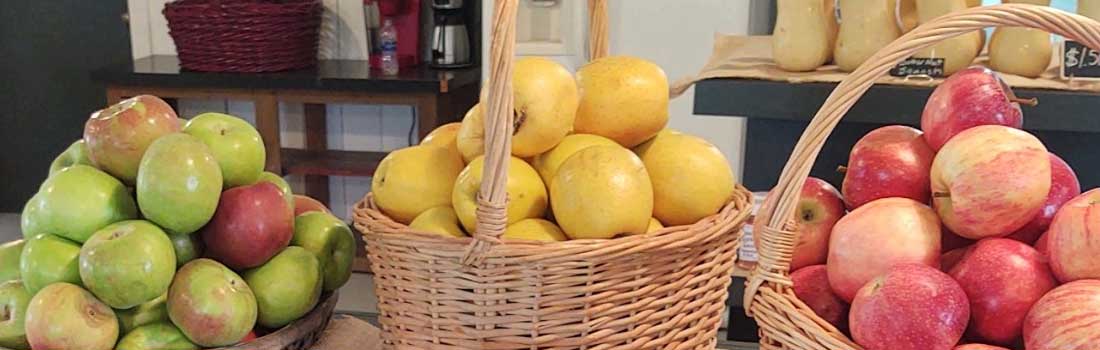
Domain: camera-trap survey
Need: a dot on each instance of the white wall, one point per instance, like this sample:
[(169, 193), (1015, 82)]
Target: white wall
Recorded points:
[(350, 127)]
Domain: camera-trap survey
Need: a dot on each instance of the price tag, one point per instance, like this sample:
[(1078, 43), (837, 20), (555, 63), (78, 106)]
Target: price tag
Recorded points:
[(932, 67), (1079, 61)]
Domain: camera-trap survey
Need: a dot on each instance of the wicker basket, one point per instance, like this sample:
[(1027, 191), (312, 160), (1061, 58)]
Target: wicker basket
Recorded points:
[(786, 322), (245, 35), (664, 290)]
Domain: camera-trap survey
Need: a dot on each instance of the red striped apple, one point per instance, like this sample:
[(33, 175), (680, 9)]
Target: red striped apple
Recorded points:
[(952, 257), (819, 208), (911, 307), (117, 136), (990, 180), (1065, 318), (878, 235), (1074, 239), (1063, 187), (970, 97), (1002, 278), (891, 161), (979, 347), (811, 285)]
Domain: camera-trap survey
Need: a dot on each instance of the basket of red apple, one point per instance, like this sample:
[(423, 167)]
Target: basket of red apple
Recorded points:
[(539, 221), (967, 234), (154, 232)]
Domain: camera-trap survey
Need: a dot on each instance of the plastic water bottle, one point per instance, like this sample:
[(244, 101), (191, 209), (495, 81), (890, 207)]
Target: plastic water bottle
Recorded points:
[(389, 48)]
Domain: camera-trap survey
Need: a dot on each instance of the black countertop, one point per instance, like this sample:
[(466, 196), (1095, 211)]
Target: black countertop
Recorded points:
[(1058, 110), (353, 75)]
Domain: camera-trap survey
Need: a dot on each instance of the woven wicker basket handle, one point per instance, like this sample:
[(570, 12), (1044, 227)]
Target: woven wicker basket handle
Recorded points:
[(776, 242), (597, 29)]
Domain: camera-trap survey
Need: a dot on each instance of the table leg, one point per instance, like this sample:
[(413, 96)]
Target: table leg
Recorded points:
[(267, 123), (316, 140), (427, 114)]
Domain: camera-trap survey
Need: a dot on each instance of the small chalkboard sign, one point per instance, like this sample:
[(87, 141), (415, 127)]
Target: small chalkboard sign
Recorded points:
[(932, 67), (1079, 61)]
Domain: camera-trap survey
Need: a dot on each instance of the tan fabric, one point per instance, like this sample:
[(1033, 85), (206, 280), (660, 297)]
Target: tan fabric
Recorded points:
[(349, 333), (738, 56)]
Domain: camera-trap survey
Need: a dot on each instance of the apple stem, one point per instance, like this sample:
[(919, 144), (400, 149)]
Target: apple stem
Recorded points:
[(842, 169), (1031, 102), (941, 195)]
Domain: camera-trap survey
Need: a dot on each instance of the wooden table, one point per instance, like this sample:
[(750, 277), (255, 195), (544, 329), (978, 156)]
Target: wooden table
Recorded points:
[(438, 97)]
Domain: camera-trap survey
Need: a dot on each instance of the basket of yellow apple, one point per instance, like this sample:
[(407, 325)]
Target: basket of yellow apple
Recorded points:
[(561, 213)]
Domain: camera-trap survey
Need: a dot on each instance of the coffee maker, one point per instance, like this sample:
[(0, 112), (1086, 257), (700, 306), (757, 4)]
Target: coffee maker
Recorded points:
[(450, 39)]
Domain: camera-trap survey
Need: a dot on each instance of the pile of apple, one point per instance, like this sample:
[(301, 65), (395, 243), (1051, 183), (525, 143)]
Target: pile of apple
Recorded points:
[(154, 232), (968, 235), (591, 158)]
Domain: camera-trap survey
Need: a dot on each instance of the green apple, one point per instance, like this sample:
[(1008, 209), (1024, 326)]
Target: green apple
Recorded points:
[(286, 287), (75, 202), (128, 263), (9, 260), (153, 311), (188, 247), (49, 259), (211, 304), (13, 307), (178, 183), (77, 153), (65, 316), (236, 146), (284, 187), (161, 335), (330, 239)]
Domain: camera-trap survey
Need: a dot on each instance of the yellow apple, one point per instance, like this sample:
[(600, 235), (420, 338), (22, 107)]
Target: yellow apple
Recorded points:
[(470, 139), (990, 180), (622, 98), (654, 225), (444, 136), (526, 192), (547, 163), (691, 178), (414, 179), (601, 192), (534, 230), (440, 220), (545, 105)]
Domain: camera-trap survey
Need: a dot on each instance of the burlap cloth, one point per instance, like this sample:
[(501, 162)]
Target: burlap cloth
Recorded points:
[(738, 56), (349, 333)]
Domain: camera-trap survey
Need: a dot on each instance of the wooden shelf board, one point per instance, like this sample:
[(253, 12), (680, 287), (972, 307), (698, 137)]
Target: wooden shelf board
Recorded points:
[(330, 162)]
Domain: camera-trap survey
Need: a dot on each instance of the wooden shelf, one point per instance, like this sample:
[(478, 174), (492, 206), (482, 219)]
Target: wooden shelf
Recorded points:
[(330, 162)]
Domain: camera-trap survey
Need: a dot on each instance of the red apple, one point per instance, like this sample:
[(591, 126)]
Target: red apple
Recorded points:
[(891, 161), (251, 225), (970, 97), (1002, 279), (952, 257), (1074, 238), (878, 235), (811, 285), (911, 307), (117, 136), (819, 208), (305, 204), (990, 180), (1043, 244), (979, 347), (1065, 318), (1063, 187)]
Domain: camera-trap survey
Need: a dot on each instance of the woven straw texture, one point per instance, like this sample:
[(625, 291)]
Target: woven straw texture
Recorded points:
[(664, 290), (245, 35), (785, 322)]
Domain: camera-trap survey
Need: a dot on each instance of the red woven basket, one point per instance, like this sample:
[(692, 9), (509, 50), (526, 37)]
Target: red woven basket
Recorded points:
[(245, 35)]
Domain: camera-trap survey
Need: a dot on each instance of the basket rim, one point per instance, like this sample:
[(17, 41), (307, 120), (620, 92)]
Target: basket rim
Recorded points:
[(734, 213)]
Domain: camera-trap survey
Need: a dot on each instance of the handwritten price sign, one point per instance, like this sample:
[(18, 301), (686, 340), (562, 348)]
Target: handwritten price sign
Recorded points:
[(1079, 61)]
